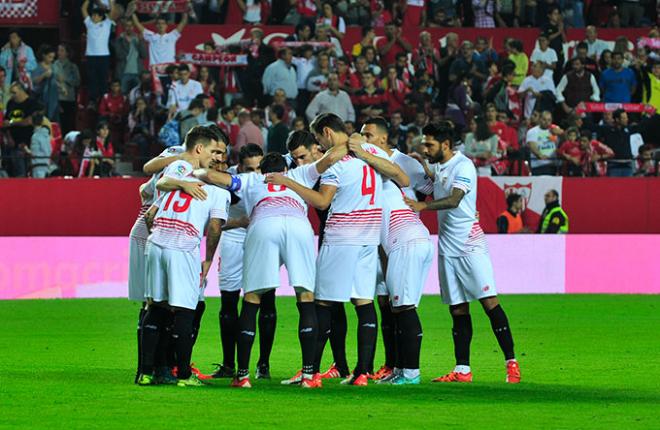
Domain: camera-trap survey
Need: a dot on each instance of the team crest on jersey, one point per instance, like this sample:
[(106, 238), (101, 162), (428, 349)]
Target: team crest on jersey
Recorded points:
[(525, 190), (486, 288), (181, 170)]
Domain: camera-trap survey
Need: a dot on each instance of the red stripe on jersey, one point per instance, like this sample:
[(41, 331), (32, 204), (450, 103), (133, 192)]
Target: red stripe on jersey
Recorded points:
[(176, 224)]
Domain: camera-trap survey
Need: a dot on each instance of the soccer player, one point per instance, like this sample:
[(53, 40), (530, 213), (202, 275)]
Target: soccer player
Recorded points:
[(409, 253), (174, 283), (464, 268), (303, 149), (279, 232), (375, 131), (352, 190)]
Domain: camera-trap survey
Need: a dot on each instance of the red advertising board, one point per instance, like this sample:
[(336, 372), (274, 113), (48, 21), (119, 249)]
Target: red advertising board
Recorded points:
[(29, 12)]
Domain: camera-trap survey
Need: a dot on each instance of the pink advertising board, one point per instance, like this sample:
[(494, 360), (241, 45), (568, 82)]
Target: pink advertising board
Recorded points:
[(78, 267)]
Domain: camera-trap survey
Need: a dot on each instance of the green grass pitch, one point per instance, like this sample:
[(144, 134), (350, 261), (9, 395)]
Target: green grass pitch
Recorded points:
[(587, 362)]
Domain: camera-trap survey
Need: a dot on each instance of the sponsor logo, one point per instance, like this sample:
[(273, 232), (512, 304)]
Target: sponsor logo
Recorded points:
[(486, 288)]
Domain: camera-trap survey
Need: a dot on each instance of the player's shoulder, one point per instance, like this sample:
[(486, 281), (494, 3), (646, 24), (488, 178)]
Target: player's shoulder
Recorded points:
[(173, 150), (375, 150), (179, 168)]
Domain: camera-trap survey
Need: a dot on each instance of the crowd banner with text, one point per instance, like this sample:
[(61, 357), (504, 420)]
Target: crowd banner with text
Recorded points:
[(29, 12)]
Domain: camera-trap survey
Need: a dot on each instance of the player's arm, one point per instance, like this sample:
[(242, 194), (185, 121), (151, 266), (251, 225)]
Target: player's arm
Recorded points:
[(381, 165), (221, 179), (320, 199), (330, 157), (157, 164), (168, 183), (232, 223), (450, 202), (213, 232), (149, 216)]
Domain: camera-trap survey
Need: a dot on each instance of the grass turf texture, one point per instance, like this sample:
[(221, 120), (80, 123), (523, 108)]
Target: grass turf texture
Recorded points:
[(587, 362)]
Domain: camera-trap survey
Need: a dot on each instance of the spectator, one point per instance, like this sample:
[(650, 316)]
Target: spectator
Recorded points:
[(190, 117), (542, 143), (646, 165), (45, 83), (591, 65), (278, 131), (543, 10), (595, 46), (18, 59), (621, 44), (162, 44), (539, 91), (358, 13), (369, 101), (322, 34), (631, 12), (280, 99), (448, 55), (577, 86), (519, 58), (481, 146), (395, 89), (248, 133), (144, 89), (40, 148), (617, 83), (304, 65), (510, 221), (141, 127), (251, 11), (281, 74), (318, 78), (651, 93), (484, 51), (99, 29), (617, 138), (130, 55), (484, 13), (459, 103), (508, 13), (368, 36), (380, 16), (553, 217), (331, 100), (87, 155), (5, 93), (335, 24), (555, 31), (469, 67), (546, 55), (426, 56), (584, 157), (68, 80), (257, 117), (107, 152), (18, 122), (208, 83), (183, 91), (348, 81), (412, 12), (392, 44), (299, 124), (228, 123), (114, 106), (303, 33)]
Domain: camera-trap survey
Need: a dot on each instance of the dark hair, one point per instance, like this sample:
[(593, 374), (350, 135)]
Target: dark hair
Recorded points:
[(199, 135), (369, 72), (14, 30), (483, 131), (225, 110), (220, 134), (212, 114), (171, 68), (511, 199), (366, 29), (278, 111), (101, 124), (443, 131), (115, 81), (37, 118), (300, 26), (554, 193), (183, 68), (617, 54), (248, 151), (582, 45), (516, 44), (551, 9), (196, 104), (380, 123), (508, 69), (282, 51), (299, 138), (330, 120), (617, 114), (272, 162), (45, 50)]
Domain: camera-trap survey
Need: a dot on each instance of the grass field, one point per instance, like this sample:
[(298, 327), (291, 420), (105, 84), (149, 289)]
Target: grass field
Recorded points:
[(587, 362)]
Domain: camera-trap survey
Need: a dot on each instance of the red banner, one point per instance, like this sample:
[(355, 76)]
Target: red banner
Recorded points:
[(611, 107), (162, 6), (29, 12)]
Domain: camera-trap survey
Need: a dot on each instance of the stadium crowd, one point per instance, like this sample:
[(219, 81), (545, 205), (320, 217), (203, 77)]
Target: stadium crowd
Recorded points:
[(512, 114)]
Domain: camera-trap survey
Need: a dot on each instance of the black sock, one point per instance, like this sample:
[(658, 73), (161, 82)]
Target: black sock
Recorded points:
[(247, 326), (398, 338), (410, 329), (324, 319), (462, 332), (197, 321), (367, 334), (338, 329), (143, 312), (387, 327), (500, 325), (267, 324), (154, 320), (229, 326), (307, 335), (182, 333)]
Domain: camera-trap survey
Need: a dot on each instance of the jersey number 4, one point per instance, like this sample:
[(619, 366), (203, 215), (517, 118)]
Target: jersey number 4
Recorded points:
[(369, 183), (181, 204)]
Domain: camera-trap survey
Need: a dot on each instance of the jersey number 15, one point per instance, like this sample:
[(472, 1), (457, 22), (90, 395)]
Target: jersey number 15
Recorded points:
[(181, 204)]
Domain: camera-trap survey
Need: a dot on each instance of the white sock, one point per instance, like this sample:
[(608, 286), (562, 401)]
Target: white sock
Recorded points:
[(462, 369), (410, 373), (307, 375), (513, 360)]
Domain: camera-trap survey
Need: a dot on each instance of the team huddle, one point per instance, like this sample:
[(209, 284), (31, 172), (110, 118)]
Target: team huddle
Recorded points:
[(373, 249)]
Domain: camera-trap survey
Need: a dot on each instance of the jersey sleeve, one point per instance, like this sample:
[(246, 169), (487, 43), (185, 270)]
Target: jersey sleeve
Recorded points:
[(374, 150), (420, 181), (178, 170), (148, 35), (172, 150), (465, 178), (331, 176), (306, 175), (245, 180), (220, 208)]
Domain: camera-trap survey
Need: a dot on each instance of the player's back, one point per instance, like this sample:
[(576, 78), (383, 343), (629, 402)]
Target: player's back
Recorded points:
[(355, 211), (400, 224)]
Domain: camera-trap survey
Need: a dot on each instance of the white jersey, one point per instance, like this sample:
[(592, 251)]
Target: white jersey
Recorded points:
[(355, 213), (267, 200), (149, 195), (236, 211), (400, 224), (181, 220), (182, 94), (460, 232), (419, 180)]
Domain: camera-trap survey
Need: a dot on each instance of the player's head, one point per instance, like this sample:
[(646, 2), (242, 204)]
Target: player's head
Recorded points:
[(329, 130), (302, 147), (219, 155), (273, 162), (202, 144), (514, 202), (375, 131), (438, 141), (249, 158), (551, 197)]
